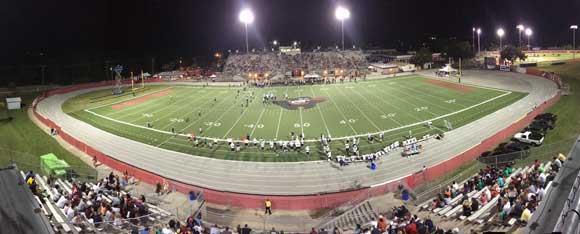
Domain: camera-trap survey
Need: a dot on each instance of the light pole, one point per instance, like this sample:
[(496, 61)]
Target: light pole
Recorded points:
[(478, 41), (574, 27), (473, 39), (529, 34), (247, 17), (341, 14), (500, 34), (520, 30)]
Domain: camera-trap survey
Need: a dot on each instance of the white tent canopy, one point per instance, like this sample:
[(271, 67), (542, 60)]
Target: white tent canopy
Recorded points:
[(447, 68), (312, 76)]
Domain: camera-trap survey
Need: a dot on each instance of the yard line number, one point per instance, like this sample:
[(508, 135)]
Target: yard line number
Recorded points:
[(421, 108), (298, 125), (389, 115), (349, 121), (215, 124)]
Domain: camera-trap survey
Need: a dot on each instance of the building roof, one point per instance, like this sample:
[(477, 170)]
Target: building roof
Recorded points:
[(384, 65), (19, 211)]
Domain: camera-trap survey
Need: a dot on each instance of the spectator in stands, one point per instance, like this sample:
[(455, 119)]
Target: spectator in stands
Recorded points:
[(226, 231), (526, 215), (145, 230), (382, 224), (557, 163), (169, 228), (246, 229), (373, 223), (214, 229), (313, 231)]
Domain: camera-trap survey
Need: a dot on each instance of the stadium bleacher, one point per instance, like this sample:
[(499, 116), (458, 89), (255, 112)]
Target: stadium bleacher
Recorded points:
[(87, 207), (488, 198), (280, 63)]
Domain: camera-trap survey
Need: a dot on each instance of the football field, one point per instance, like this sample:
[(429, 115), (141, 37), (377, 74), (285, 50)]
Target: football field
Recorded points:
[(164, 115)]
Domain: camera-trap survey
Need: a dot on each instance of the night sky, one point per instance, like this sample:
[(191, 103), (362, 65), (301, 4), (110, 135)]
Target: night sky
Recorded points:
[(188, 27)]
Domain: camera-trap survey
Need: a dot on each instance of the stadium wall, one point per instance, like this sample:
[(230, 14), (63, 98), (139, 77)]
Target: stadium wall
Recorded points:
[(301, 202)]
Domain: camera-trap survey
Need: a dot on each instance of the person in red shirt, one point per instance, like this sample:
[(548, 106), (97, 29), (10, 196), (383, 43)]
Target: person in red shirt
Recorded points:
[(411, 228), (382, 225), (313, 231)]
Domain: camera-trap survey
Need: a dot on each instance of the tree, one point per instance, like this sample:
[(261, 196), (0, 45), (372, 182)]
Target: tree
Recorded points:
[(459, 49), (423, 56), (512, 53)]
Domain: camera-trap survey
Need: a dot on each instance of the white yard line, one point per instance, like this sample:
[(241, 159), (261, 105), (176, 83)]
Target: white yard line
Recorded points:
[(360, 111), (376, 108), (340, 111), (124, 100), (221, 116), (301, 122), (236, 123), (257, 122), (320, 111), (279, 119), (189, 112)]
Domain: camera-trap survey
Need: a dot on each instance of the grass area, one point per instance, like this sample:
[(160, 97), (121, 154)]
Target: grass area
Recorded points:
[(395, 106), (22, 142), (545, 58), (558, 140)]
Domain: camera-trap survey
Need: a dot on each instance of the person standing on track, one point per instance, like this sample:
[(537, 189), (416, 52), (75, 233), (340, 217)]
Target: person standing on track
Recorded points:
[(268, 205)]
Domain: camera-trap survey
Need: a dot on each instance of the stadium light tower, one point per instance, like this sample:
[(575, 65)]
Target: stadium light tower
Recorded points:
[(500, 34), (520, 30), (478, 42), (247, 17), (574, 27), (529, 34), (341, 14), (473, 39)]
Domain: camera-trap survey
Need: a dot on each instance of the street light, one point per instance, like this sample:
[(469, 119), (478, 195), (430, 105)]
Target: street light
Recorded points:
[(341, 14), (478, 42), (275, 43), (528, 33), (247, 17), (574, 27), (500, 34), (520, 30)]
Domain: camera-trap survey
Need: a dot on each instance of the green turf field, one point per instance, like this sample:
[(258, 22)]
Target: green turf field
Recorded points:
[(549, 57), (394, 106)]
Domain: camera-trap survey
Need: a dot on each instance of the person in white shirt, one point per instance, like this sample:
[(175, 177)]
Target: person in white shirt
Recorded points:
[(61, 202), (70, 213), (214, 230), (373, 223), (55, 195)]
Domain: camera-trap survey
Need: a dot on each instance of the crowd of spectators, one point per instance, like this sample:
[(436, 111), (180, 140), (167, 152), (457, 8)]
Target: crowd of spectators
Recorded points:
[(281, 63), (100, 205), (518, 197)]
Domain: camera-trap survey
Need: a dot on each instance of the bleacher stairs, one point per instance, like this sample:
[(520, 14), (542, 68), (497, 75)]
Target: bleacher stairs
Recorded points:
[(360, 214)]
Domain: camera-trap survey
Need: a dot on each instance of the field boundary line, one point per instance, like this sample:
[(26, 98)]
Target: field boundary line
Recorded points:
[(315, 140)]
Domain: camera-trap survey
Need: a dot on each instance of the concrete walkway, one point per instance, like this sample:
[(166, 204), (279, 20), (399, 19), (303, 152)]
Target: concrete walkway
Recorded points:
[(304, 178)]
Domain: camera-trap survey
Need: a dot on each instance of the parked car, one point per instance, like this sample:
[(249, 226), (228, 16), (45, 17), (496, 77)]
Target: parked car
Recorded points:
[(547, 123), (536, 129), (529, 138), (517, 146), (547, 116)]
